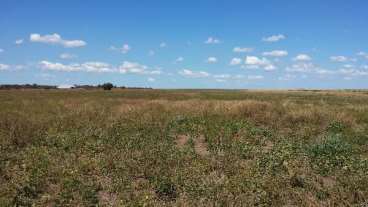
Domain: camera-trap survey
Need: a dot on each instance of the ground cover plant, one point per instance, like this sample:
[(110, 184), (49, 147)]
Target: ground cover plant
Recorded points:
[(183, 148)]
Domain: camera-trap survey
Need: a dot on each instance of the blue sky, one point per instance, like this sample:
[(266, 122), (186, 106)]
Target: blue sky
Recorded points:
[(186, 44)]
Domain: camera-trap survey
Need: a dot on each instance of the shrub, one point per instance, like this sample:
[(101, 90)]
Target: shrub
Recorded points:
[(107, 86), (332, 153)]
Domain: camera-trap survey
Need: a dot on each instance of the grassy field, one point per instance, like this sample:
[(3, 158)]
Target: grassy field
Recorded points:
[(183, 148)]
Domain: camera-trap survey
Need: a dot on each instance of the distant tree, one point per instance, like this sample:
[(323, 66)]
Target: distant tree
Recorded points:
[(107, 86)]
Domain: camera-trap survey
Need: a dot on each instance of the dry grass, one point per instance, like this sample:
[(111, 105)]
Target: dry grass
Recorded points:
[(183, 148)]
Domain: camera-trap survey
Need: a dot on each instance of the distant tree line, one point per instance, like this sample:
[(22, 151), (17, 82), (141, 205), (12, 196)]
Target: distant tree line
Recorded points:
[(26, 86), (105, 86)]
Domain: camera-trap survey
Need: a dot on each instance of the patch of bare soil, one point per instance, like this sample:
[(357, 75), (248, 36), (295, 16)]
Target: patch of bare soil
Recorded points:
[(200, 146), (181, 140), (268, 145)]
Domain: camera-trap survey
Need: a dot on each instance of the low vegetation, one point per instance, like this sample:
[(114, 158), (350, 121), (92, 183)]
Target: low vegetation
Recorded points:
[(183, 148)]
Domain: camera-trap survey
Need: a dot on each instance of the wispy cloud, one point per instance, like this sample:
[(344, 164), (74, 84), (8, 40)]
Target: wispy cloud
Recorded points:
[(193, 74), (276, 53), (242, 49), (179, 59), (212, 40), (19, 41), (123, 49), (163, 44), (274, 38), (85, 67), (363, 54), (66, 56), (341, 58)]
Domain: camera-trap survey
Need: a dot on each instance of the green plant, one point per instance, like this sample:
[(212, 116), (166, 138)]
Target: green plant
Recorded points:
[(332, 153)]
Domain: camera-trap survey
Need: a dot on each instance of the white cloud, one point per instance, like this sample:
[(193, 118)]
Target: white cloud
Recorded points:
[(137, 68), (255, 77), (308, 67), (276, 53), (4, 67), (302, 57), (85, 67), (363, 54), (242, 49), (132, 67), (163, 44), (19, 41), (179, 59), (339, 58), (287, 77), (151, 79), (353, 72), (194, 74), (67, 56), (1, 50), (212, 40), (222, 76), (253, 62), (124, 49), (235, 61), (301, 67), (270, 67), (211, 60), (274, 38), (55, 39)]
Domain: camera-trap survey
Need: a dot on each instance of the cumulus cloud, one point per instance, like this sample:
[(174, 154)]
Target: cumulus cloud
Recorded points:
[(124, 49), (274, 38), (212, 40), (211, 60), (308, 67), (363, 54), (194, 74), (226, 77), (253, 62), (235, 61), (302, 57), (4, 67), (137, 68), (67, 56), (302, 67), (55, 39), (276, 53), (242, 49), (150, 79), (85, 67), (19, 41), (339, 58)]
